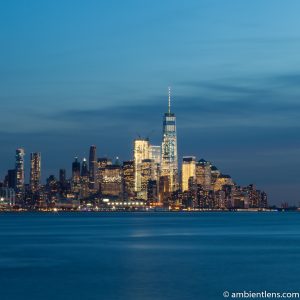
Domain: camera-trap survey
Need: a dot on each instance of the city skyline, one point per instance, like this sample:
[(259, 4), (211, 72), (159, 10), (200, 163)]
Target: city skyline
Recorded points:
[(98, 76), (149, 149), (150, 180), (166, 159)]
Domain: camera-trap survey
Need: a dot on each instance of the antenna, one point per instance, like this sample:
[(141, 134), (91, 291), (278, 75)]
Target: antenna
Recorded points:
[(169, 102)]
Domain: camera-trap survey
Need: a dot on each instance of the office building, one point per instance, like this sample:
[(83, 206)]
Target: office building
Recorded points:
[(35, 171), (93, 169), (141, 151), (169, 158), (128, 179), (188, 171)]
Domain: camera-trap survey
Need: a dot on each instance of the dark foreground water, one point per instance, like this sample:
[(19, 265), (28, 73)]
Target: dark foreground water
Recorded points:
[(147, 255)]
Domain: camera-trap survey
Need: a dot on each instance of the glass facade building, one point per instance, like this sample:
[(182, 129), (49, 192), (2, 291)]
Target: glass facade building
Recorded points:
[(169, 158)]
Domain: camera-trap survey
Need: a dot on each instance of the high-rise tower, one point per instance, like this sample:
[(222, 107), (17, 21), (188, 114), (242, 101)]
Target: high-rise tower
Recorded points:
[(140, 152), (188, 171), (169, 158), (35, 171), (93, 168), (75, 175), (20, 177)]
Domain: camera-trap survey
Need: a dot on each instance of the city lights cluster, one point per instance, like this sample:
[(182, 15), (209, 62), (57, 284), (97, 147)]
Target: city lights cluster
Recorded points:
[(151, 180)]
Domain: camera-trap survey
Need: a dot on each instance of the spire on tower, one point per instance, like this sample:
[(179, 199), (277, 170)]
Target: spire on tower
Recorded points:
[(169, 102)]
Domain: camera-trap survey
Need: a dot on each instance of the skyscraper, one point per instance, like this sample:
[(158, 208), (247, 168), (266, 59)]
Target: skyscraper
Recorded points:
[(35, 171), (155, 155), (93, 168), (102, 163), (147, 174), (84, 168), (203, 174), (140, 152), (84, 179), (169, 159), (112, 184), (75, 175), (75, 168), (128, 176), (20, 178), (188, 171)]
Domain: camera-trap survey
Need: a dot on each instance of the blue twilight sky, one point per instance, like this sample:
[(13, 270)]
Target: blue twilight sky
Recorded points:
[(75, 73)]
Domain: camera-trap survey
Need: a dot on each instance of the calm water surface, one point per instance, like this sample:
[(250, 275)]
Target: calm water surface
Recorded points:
[(147, 255)]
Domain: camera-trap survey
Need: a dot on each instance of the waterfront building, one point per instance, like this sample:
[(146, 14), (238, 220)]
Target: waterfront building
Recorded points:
[(263, 200), (220, 199), (240, 198), (256, 197), (169, 158), (7, 198)]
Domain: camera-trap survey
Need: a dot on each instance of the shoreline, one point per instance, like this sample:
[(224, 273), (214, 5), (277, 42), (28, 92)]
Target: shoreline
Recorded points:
[(154, 211)]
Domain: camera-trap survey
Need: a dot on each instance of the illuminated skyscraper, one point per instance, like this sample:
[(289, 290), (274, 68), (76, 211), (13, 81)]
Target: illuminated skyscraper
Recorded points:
[(215, 173), (84, 168), (155, 155), (102, 162), (75, 169), (169, 159), (35, 171), (76, 175), (188, 171), (112, 181), (203, 174), (147, 174), (141, 151), (128, 177), (84, 179), (93, 168), (20, 178)]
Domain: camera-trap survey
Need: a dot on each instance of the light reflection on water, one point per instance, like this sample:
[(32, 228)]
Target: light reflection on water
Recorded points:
[(147, 256)]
